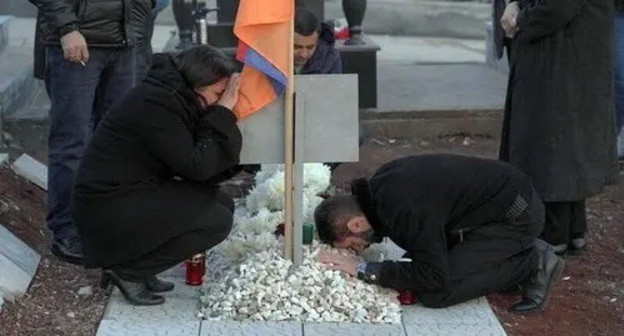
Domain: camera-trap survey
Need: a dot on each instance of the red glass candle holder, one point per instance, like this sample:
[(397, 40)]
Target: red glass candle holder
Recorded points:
[(407, 298), (195, 270)]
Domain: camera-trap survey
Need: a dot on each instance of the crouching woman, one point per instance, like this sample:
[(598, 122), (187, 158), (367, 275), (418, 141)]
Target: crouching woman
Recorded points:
[(146, 194)]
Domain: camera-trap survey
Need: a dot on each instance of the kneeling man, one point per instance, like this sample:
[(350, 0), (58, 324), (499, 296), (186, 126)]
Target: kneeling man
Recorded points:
[(470, 227)]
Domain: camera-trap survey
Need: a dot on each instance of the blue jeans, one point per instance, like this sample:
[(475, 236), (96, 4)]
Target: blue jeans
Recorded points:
[(79, 97)]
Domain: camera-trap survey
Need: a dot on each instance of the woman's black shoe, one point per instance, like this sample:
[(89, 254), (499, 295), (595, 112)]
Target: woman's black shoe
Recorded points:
[(136, 293), (156, 285)]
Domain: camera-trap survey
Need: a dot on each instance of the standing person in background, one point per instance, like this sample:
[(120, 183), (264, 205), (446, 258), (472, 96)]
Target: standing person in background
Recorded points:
[(144, 47), (559, 125), (314, 49), (619, 75), (90, 51)]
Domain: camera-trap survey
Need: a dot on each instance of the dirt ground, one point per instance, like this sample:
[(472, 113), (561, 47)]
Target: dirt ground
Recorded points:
[(588, 301)]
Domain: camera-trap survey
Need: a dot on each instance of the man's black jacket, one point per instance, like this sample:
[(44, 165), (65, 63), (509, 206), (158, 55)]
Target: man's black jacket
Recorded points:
[(426, 203), (103, 23)]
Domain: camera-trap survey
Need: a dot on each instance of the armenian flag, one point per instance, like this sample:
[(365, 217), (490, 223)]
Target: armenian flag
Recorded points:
[(263, 28)]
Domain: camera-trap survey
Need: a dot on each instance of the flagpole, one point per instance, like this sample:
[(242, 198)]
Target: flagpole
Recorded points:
[(288, 145)]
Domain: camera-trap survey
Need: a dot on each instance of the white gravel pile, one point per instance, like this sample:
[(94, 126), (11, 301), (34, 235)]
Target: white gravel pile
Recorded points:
[(247, 278)]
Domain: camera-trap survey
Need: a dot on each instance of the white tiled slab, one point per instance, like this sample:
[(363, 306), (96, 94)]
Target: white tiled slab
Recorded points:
[(352, 329), (178, 316), (164, 328), (471, 318), (233, 328)]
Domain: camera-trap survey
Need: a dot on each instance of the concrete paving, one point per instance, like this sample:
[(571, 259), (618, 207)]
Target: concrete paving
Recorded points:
[(178, 316), (403, 17), (429, 87)]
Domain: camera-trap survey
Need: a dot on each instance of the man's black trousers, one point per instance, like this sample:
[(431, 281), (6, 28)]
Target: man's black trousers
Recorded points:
[(493, 258)]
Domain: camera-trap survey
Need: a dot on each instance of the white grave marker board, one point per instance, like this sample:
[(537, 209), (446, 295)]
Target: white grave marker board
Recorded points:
[(330, 123)]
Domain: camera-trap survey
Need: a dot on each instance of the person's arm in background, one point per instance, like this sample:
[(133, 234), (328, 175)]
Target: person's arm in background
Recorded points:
[(509, 18), (544, 18), (58, 14), (60, 17)]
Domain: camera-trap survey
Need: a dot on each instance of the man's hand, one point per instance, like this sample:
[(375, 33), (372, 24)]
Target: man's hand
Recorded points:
[(509, 19), (229, 97), (75, 47), (338, 262)]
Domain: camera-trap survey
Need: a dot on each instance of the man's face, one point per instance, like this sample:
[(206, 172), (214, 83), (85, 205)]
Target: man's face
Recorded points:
[(359, 236), (355, 243), (304, 48)]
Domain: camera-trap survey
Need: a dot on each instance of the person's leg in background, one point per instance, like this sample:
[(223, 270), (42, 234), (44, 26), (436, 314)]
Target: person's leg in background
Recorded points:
[(117, 78), (565, 227), (578, 227), (619, 79), (72, 89)]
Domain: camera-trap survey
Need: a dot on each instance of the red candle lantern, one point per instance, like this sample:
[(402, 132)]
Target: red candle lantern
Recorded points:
[(195, 270), (407, 298)]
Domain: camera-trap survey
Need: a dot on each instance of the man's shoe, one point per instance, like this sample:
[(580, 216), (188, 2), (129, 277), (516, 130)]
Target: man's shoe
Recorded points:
[(68, 249), (577, 246), (537, 288), (561, 249), (156, 285), (136, 293)]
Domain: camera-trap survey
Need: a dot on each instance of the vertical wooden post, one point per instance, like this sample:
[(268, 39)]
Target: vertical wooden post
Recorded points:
[(288, 145)]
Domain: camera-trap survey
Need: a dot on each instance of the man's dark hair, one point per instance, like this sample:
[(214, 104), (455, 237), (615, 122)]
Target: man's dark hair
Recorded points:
[(332, 215), (204, 65), (306, 23)]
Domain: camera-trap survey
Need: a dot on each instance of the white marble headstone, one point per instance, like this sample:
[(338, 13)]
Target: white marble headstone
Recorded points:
[(18, 264), (32, 170)]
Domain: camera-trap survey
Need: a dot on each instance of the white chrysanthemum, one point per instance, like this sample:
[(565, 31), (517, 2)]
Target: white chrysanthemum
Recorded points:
[(268, 194), (316, 178), (267, 172), (269, 190)]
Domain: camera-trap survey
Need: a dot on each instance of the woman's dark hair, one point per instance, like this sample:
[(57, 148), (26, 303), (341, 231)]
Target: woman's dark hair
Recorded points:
[(306, 23), (204, 65), (332, 215)]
